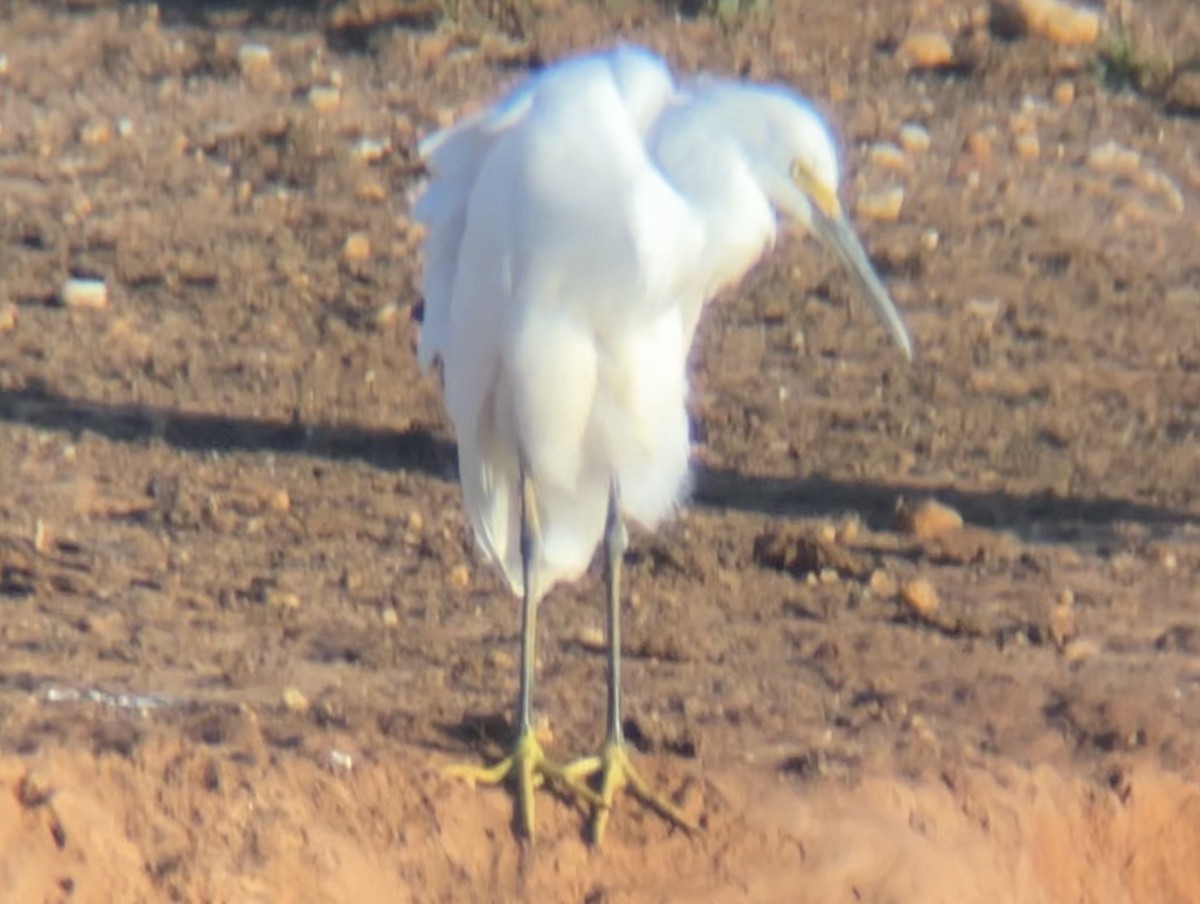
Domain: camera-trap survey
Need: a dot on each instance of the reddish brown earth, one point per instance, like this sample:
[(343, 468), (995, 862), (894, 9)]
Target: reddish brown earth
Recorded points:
[(243, 624)]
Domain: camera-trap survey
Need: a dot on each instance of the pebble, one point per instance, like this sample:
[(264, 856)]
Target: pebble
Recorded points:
[(1114, 159), (459, 577), (254, 59), (357, 248), (925, 50), (889, 156), (919, 595), (371, 190), (8, 318), (883, 206), (390, 617), (914, 138), (295, 701), (35, 790), (1080, 649), (1064, 94), (928, 519), (387, 315), (340, 760), (1027, 146), (283, 599), (848, 530), (96, 133), (979, 145), (1061, 22), (370, 150), (500, 659), (1061, 624), (882, 584), (78, 292), (324, 98), (591, 638)]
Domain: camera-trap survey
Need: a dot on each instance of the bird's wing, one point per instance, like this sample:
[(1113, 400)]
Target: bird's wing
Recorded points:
[(454, 157), (556, 235)]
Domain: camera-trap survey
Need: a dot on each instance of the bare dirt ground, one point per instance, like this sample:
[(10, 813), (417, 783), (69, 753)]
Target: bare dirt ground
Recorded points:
[(242, 623)]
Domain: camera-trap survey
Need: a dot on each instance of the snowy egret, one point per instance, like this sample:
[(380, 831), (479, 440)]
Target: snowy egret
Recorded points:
[(574, 231)]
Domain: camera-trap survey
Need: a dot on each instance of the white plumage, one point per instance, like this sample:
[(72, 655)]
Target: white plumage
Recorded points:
[(574, 231)]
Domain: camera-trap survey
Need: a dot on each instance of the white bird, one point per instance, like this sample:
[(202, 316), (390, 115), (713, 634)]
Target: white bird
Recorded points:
[(574, 231)]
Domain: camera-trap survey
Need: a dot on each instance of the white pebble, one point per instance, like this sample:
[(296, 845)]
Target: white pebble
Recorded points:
[(370, 150), (254, 57), (889, 156), (914, 138), (84, 293), (1111, 157), (883, 205)]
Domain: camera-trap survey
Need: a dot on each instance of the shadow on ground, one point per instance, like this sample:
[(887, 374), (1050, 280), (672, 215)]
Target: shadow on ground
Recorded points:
[(1037, 516)]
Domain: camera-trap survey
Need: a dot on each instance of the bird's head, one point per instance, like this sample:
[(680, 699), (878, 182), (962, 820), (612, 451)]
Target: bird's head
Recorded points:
[(795, 159)]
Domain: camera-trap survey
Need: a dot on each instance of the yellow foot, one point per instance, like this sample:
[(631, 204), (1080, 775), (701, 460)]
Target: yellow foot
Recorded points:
[(617, 772), (528, 765)]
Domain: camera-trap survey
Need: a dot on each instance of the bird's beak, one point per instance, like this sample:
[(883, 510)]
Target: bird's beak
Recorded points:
[(830, 225)]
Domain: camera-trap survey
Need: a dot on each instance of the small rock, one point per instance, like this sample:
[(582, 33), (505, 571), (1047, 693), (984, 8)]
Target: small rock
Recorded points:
[(883, 206), (1183, 94), (882, 584), (35, 790), (919, 595), (324, 98), (1056, 20), (371, 190), (1027, 146), (340, 761), (927, 519), (500, 660), (43, 540), (387, 315), (77, 292), (1064, 94), (295, 701), (433, 48), (1061, 625), (283, 600), (8, 318), (848, 530), (591, 638), (925, 50), (254, 59), (1080, 649), (390, 617), (979, 145), (370, 150), (889, 156), (459, 577), (914, 138), (96, 133), (357, 248), (1114, 159)]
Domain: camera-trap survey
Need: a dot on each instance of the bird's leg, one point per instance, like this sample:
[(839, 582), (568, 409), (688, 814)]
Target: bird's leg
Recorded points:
[(527, 764), (613, 765)]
